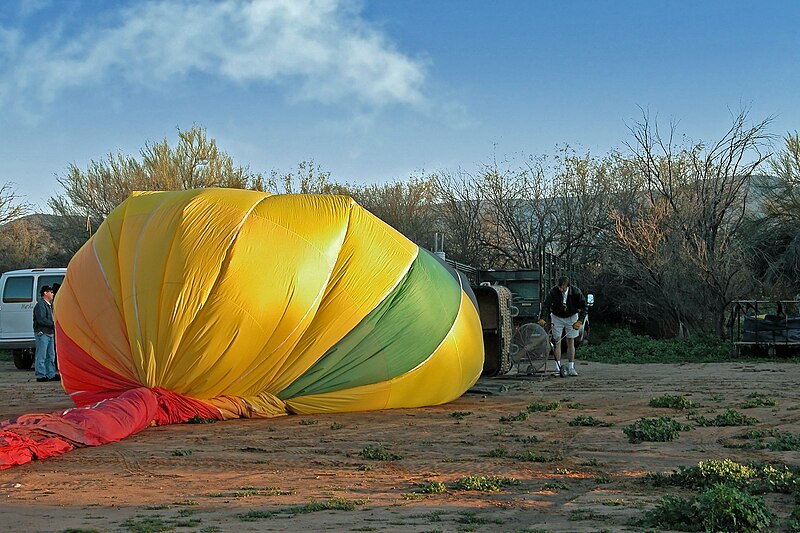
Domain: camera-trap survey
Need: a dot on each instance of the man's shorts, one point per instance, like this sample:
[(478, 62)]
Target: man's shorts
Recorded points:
[(563, 327)]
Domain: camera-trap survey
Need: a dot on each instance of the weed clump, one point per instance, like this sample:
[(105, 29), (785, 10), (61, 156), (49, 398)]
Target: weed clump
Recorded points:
[(730, 417), (718, 508), (673, 401), (522, 415), (662, 429), (757, 399), (484, 483), (586, 420), (378, 452), (537, 407)]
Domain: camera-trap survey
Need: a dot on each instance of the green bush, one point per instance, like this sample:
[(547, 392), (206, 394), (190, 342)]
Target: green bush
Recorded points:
[(718, 508), (485, 484), (623, 346), (730, 417), (725, 508), (660, 429), (378, 452), (672, 401)]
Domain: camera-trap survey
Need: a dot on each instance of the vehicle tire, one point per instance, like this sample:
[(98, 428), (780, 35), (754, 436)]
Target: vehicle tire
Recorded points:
[(23, 359)]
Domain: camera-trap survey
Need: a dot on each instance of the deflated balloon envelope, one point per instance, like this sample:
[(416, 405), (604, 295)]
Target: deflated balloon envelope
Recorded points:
[(260, 305)]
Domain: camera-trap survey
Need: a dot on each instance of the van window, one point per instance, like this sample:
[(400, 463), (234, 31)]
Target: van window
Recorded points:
[(18, 290), (48, 280)]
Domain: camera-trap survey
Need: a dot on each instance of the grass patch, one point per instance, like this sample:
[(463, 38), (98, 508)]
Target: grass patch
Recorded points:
[(432, 487), (196, 419), (586, 420), (484, 483), (336, 425), (673, 401), (752, 478), (622, 346), (537, 407), (378, 452), (181, 453), (522, 415), (730, 417), (718, 508), (308, 421), (662, 429), (460, 414), (757, 399), (500, 451), (148, 524), (535, 457)]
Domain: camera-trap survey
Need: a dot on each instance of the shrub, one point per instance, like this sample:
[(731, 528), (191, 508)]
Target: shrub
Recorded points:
[(730, 417), (725, 508), (718, 508), (672, 401), (485, 484), (623, 346), (536, 407), (378, 452), (661, 429)]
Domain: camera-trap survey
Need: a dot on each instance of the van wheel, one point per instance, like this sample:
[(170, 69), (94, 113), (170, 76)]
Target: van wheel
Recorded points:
[(23, 359)]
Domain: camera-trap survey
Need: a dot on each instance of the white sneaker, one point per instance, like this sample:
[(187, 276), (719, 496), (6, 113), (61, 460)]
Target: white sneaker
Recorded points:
[(572, 372)]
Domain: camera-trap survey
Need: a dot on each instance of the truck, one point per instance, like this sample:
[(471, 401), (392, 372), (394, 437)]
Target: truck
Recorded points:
[(19, 292)]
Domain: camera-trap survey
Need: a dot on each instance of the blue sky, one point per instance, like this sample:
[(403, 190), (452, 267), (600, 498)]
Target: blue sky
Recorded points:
[(378, 90)]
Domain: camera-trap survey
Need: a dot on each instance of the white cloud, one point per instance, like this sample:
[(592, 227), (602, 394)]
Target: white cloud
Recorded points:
[(319, 49)]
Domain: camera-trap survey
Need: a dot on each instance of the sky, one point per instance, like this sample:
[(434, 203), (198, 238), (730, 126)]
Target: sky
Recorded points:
[(375, 91)]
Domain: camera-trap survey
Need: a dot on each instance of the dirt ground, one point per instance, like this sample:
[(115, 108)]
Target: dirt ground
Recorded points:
[(208, 477)]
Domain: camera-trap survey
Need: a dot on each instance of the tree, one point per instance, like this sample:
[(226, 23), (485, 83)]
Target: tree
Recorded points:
[(407, 206), (460, 203), (683, 242), (773, 227), (90, 195), (10, 206)]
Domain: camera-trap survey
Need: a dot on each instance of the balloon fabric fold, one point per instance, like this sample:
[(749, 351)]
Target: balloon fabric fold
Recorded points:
[(221, 303)]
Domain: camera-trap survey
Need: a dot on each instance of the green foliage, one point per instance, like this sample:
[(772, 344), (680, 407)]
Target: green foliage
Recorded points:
[(378, 452), (252, 516), (500, 451), (725, 508), (586, 420), (758, 400), (718, 508), (336, 425), (536, 407), (673, 401), (522, 415), (432, 487), (555, 486), (752, 478), (793, 524), (308, 421), (484, 483), (662, 429), (623, 346), (200, 420), (460, 414), (148, 524), (535, 457), (181, 453), (730, 417)]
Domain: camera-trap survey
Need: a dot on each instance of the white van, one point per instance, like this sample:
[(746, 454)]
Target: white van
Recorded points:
[(19, 292)]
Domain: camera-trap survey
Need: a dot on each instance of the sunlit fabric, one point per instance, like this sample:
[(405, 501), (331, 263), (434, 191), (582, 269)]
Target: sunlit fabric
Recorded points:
[(223, 303)]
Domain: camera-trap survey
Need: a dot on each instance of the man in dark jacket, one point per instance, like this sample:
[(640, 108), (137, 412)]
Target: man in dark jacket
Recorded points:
[(566, 308), (44, 330)]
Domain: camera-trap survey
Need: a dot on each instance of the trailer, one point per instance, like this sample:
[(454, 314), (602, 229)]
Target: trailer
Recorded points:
[(770, 325)]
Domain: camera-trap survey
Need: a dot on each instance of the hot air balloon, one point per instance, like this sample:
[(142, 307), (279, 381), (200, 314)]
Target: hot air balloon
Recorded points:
[(221, 303)]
